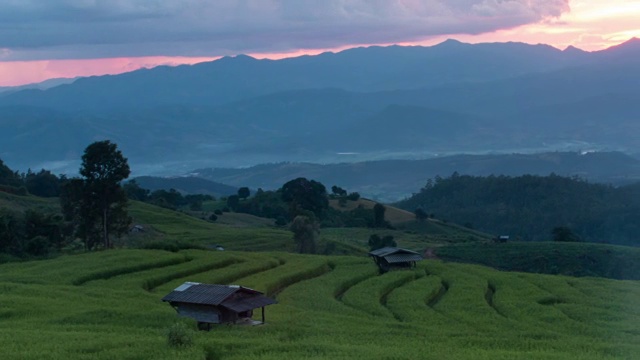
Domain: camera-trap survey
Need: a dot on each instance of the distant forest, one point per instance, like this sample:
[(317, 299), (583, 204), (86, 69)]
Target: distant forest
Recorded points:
[(530, 207)]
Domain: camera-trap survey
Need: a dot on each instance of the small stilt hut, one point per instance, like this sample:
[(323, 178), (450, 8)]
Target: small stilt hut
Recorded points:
[(217, 304), (392, 258)]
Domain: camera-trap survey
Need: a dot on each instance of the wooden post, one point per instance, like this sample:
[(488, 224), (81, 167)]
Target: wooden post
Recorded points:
[(263, 314)]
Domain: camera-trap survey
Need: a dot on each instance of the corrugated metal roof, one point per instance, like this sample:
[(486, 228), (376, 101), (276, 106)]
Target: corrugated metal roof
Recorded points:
[(185, 286), (386, 251), (201, 294), (223, 295), (383, 251)]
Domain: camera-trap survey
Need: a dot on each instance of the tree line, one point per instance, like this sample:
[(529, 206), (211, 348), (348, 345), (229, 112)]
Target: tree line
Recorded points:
[(94, 206), (533, 207)]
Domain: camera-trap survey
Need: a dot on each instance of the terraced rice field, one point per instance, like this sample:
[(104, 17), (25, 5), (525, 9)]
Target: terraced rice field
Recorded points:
[(106, 305)]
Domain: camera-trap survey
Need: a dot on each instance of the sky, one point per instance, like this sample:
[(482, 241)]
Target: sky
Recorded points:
[(43, 39)]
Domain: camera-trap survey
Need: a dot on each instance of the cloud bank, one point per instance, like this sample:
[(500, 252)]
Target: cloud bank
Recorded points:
[(80, 29)]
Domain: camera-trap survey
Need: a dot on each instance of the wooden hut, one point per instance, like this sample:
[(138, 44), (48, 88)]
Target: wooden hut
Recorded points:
[(217, 304), (392, 258)]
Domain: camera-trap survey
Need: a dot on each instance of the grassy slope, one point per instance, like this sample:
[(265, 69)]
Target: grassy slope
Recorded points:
[(392, 214), (22, 203), (106, 304), (95, 306), (174, 226), (575, 259), (409, 233)]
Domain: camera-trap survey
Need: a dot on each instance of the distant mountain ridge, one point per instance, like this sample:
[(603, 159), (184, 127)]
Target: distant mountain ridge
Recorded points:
[(43, 85), (185, 185), (372, 103), (392, 180)]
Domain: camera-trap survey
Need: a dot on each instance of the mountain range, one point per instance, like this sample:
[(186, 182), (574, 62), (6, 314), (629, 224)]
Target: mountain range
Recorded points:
[(360, 104), (393, 180)]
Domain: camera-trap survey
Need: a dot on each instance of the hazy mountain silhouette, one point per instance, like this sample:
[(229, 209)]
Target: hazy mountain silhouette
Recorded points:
[(391, 180), (380, 102)]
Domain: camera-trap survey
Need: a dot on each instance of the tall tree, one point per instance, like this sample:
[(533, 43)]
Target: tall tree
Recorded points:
[(244, 192), (305, 195), (43, 183), (135, 192), (564, 233), (376, 242), (378, 215), (103, 168), (97, 203), (305, 234)]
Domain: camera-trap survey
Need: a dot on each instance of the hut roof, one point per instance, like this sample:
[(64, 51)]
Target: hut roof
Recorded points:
[(234, 297), (396, 255)]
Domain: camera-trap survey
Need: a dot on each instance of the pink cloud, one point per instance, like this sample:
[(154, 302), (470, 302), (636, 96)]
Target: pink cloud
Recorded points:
[(14, 73), (589, 25)]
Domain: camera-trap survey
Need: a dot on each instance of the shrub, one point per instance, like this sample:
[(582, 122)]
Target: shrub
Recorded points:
[(172, 245), (218, 212), (38, 246), (179, 336), (354, 196), (281, 221)]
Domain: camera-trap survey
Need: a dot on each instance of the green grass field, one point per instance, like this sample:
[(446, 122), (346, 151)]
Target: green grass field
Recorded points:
[(106, 305)]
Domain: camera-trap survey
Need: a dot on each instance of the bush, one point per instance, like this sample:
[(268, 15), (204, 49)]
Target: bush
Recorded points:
[(281, 221), (218, 212), (38, 246), (213, 217), (354, 196), (179, 336), (171, 245)]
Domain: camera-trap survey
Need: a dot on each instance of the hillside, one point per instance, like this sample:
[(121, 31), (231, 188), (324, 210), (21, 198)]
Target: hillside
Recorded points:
[(242, 232), (328, 307), (185, 185), (392, 214), (393, 180), (574, 259), (22, 203), (528, 207)]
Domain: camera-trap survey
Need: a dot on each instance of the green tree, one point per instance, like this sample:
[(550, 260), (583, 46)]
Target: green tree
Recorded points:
[(338, 191), (354, 196), (233, 201), (305, 195), (134, 191), (97, 202), (8, 177), (564, 234), (376, 242), (378, 215), (421, 215), (80, 212), (305, 234), (244, 192), (11, 231), (43, 183), (171, 199)]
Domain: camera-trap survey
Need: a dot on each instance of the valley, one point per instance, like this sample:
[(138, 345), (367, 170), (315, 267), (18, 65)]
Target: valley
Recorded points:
[(511, 168)]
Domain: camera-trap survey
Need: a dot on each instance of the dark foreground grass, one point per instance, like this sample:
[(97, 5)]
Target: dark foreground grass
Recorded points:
[(328, 308)]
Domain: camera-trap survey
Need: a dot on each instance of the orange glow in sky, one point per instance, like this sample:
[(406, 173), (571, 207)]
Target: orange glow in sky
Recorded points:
[(590, 25)]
